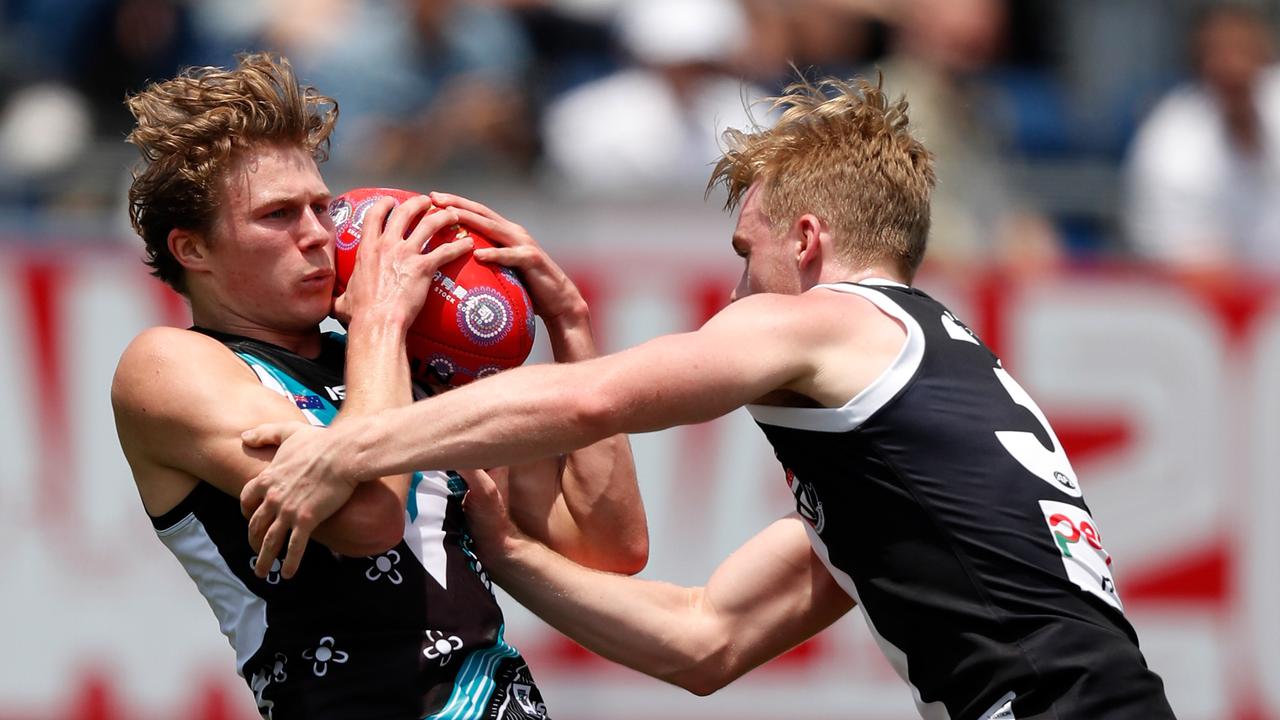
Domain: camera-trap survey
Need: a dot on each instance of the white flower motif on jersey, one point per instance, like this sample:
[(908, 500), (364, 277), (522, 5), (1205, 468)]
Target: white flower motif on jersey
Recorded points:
[(323, 655), (278, 674), (273, 575), (441, 646), (384, 566)]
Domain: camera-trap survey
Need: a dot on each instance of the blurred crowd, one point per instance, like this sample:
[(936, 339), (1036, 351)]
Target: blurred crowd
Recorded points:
[(1064, 129)]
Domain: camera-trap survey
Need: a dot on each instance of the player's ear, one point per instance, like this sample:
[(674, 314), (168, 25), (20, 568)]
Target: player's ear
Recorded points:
[(809, 231), (189, 248)]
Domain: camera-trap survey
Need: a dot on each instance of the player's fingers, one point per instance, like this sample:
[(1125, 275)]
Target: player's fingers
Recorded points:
[(260, 521), (271, 544), (502, 232), (251, 496), (297, 547), (375, 220), (404, 215), (269, 434), (518, 257), (427, 228), (457, 201), (482, 493), (445, 254)]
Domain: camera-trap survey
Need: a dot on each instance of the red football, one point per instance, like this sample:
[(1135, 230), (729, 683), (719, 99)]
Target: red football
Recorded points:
[(477, 319)]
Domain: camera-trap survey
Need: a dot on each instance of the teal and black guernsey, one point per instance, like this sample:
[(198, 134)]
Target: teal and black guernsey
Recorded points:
[(412, 633)]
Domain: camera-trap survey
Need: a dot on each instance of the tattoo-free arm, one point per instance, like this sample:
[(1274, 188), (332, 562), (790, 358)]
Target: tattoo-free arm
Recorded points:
[(586, 504), (755, 346), (768, 596)]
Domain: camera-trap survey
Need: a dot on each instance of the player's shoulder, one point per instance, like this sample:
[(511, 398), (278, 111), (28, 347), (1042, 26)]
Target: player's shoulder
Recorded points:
[(817, 317), (163, 360)]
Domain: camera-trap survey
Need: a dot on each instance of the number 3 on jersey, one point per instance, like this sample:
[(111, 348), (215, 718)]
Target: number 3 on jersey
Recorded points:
[(1049, 464)]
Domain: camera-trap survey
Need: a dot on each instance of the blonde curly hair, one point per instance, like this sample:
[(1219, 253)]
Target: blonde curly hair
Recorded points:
[(843, 152), (189, 129)]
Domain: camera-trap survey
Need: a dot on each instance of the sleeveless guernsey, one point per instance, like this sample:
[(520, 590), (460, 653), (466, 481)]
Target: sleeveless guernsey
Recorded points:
[(412, 633), (942, 502)]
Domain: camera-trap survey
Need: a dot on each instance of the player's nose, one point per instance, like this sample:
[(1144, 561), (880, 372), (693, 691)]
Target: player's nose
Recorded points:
[(315, 230)]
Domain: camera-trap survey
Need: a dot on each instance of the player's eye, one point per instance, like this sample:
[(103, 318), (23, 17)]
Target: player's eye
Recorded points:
[(278, 214)]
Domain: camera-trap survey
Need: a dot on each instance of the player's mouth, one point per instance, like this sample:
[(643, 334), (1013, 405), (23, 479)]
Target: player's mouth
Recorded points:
[(321, 276)]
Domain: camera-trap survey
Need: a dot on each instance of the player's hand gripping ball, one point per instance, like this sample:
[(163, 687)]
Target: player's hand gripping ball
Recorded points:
[(477, 319)]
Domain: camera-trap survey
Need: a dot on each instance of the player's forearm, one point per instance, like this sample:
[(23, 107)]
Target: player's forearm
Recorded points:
[(602, 501), (521, 414), (655, 628), (377, 370), (377, 377), (570, 335), (598, 486)]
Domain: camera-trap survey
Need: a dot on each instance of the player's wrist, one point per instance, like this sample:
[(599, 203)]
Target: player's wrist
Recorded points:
[(515, 554), (361, 438), (380, 320), (570, 315), (570, 336)]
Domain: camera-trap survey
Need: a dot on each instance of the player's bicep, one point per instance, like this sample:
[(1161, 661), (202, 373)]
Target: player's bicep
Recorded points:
[(182, 401), (755, 346)]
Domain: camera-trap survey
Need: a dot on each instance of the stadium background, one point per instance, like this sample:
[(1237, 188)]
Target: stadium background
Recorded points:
[(1160, 372)]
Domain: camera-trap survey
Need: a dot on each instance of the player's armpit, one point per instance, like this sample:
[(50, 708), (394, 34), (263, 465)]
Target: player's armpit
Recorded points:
[(181, 400)]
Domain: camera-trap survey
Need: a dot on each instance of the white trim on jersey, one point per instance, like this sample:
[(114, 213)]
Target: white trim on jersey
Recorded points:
[(425, 534), (897, 658), (874, 396), (242, 615)]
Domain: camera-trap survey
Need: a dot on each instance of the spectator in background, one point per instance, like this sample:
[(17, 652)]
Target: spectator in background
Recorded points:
[(940, 48), (426, 84), (1204, 169), (656, 125)]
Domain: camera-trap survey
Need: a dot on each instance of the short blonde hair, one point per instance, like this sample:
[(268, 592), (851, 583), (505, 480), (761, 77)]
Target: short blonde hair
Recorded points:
[(190, 128), (843, 152)]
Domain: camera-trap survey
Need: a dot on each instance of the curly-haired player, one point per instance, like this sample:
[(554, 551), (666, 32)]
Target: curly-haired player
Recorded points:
[(389, 614)]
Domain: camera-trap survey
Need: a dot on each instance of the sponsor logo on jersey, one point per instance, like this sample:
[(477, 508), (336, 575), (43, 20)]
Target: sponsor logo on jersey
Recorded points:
[(1076, 535), (336, 392), (808, 505)]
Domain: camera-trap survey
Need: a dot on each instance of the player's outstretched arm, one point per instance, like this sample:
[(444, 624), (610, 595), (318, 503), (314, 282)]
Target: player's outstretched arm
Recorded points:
[(768, 596), (757, 345), (586, 504)]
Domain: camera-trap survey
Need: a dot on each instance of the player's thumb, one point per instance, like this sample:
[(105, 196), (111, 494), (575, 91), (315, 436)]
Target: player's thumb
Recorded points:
[(266, 435), (482, 493)]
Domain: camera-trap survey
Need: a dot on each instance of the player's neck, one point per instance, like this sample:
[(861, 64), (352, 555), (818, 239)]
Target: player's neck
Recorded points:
[(302, 342), (840, 273)]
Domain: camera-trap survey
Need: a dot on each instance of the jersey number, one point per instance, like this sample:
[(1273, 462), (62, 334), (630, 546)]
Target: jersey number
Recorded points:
[(1049, 464)]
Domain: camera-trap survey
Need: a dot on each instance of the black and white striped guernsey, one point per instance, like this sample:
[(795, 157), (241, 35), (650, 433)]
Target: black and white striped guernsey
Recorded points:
[(412, 633), (941, 500)]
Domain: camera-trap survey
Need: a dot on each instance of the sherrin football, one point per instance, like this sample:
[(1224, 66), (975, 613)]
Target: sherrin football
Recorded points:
[(477, 319)]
